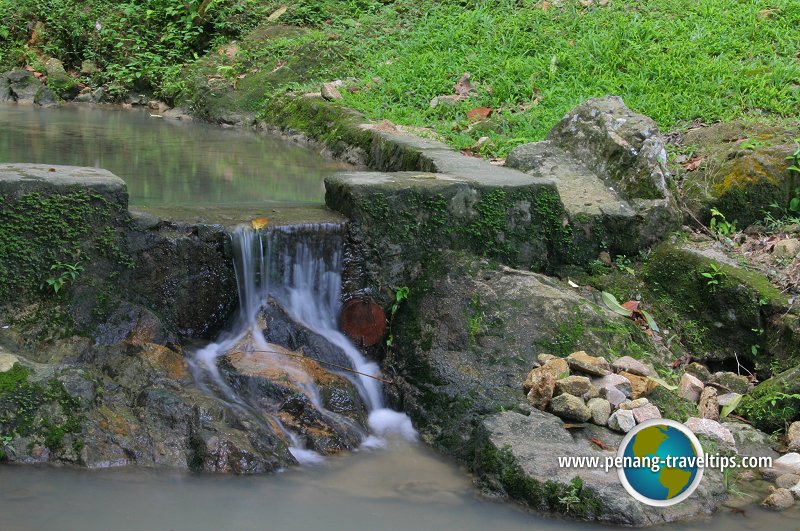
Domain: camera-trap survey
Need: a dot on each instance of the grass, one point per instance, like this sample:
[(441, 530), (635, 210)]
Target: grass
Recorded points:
[(674, 60)]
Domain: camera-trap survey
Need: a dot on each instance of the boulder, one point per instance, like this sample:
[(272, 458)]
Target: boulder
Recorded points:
[(789, 462), (699, 371), (600, 410), (541, 389), (622, 420), (557, 368), (633, 366), (793, 437), (616, 382), (728, 398), (708, 406), (731, 381), (779, 499), (712, 430), (23, 85), (330, 91), (582, 362), (512, 449), (646, 412), (690, 388), (750, 441), (640, 385), (766, 409), (787, 249), (570, 407), (787, 481), (58, 81), (574, 385), (795, 491), (544, 358), (633, 404)]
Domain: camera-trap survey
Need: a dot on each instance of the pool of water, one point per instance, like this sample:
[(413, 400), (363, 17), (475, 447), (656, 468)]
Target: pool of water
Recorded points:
[(402, 487), (169, 165)]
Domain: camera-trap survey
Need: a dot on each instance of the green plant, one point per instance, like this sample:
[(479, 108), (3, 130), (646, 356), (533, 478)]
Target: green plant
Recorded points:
[(624, 264), (721, 226), (714, 275), (400, 295), (68, 273), (794, 166), (475, 324)]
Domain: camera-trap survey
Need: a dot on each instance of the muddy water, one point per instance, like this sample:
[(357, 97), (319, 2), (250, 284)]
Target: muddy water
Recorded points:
[(402, 487)]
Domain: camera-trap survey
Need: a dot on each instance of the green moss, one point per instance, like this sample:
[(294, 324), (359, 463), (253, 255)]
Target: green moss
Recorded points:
[(671, 405), (13, 378), (775, 403), (572, 499)]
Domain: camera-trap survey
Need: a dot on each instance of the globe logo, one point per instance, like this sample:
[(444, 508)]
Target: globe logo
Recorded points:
[(660, 462)]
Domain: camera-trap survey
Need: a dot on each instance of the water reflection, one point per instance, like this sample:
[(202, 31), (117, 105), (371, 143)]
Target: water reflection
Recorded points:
[(166, 162)]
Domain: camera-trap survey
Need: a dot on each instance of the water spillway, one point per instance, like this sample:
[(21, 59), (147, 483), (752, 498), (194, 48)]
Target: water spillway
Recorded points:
[(289, 281)]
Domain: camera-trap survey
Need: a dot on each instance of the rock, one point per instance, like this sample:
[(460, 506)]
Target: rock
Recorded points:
[(787, 249), (45, 97), (557, 368), (84, 98), (699, 371), (570, 407), (622, 420), (633, 366), (582, 362), (793, 437), (450, 100), (787, 481), (614, 396), (779, 500), (713, 430), (541, 390), (7, 361), (647, 412), (757, 404), (709, 404), (600, 410), (790, 461), (640, 385), (330, 91), (99, 95), (690, 388), (633, 404), (89, 68), (728, 398), (616, 382), (750, 441), (795, 491), (23, 85), (532, 445), (731, 381), (573, 385), (58, 81), (544, 358)]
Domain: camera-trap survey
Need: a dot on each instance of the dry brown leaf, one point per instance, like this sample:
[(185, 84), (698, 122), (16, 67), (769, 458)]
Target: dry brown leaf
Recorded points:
[(259, 223), (693, 163), (479, 113)]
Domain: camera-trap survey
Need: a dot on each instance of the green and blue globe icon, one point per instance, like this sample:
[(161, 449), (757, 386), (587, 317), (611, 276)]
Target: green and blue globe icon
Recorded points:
[(668, 453)]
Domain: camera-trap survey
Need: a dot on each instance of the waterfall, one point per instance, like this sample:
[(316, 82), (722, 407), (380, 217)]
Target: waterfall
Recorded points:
[(300, 267)]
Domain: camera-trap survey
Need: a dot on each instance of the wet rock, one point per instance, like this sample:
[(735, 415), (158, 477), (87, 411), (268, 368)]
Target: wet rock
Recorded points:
[(614, 381), (713, 430), (600, 409), (633, 404), (45, 97), (633, 366), (640, 385), (570, 407), (779, 499), (645, 413), (731, 381), (787, 481), (622, 420), (708, 406), (699, 371), (541, 389), (793, 437), (690, 387), (790, 462), (574, 385), (532, 445), (594, 365)]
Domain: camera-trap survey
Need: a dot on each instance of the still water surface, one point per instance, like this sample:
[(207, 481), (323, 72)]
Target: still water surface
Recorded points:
[(168, 163), (403, 487)]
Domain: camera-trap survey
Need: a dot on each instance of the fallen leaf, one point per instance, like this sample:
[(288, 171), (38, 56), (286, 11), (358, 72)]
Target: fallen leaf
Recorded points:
[(572, 284), (693, 163), (631, 305), (463, 86), (259, 223), (277, 13), (545, 5), (597, 442), (479, 113), (613, 305)]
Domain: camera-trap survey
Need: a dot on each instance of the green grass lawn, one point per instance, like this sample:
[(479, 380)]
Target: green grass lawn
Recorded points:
[(530, 61)]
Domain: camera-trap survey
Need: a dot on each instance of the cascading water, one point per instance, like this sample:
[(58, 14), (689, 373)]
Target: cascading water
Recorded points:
[(300, 267)]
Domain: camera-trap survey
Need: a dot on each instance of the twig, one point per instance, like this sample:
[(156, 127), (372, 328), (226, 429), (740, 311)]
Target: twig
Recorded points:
[(699, 223), (342, 367)]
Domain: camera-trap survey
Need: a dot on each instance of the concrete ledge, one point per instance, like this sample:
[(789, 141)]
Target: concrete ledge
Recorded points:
[(19, 179)]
